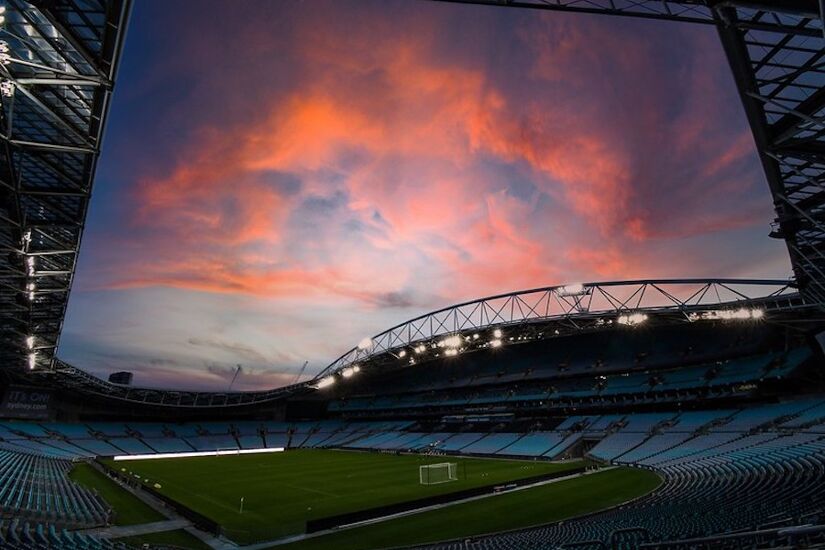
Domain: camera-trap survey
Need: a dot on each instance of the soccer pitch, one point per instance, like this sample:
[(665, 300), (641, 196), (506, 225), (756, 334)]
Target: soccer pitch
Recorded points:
[(282, 491)]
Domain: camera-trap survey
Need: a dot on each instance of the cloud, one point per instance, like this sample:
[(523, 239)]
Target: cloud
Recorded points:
[(366, 169)]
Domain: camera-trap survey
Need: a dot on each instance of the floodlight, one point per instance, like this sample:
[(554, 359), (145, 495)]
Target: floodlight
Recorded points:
[(30, 342), (632, 319), (741, 314), (356, 368), (450, 342), (32, 359), (347, 372), (495, 343), (421, 348), (7, 90), (475, 336), (325, 382), (574, 289), (451, 352), (497, 333), (402, 353)]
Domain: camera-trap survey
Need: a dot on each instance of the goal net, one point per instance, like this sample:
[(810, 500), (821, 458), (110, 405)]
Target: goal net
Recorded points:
[(438, 473)]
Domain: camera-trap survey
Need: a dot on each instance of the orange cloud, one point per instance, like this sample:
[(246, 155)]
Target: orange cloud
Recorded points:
[(398, 140)]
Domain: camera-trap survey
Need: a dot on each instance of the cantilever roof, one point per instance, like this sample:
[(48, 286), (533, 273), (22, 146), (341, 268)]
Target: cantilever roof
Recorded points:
[(58, 62)]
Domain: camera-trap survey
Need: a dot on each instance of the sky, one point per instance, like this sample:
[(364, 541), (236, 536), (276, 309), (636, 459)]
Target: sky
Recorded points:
[(281, 179)]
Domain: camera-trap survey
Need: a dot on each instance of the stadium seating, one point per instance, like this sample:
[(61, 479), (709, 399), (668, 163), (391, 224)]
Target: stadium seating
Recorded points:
[(24, 535), (38, 487), (722, 469), (713, 483)]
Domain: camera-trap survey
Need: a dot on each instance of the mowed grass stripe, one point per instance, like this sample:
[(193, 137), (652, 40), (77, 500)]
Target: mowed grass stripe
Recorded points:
[(519, 509), (282, 491)]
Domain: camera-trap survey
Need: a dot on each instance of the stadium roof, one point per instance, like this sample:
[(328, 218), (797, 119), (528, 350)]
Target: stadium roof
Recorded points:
[(58, 62), (561, 310), (521, 317)]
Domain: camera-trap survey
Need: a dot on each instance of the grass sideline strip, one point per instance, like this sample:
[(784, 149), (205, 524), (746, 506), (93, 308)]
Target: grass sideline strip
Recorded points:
[(517, 510), (129, 510)]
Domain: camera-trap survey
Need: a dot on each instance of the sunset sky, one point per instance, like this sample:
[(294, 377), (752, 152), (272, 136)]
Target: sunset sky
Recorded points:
[(281, 179)]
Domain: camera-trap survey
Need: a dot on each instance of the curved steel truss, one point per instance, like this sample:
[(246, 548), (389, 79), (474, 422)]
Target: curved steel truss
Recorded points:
[(570, 308), (776, 51), (57, 68)]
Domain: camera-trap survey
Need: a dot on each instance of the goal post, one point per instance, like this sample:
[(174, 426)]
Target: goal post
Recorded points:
[(431, 474)]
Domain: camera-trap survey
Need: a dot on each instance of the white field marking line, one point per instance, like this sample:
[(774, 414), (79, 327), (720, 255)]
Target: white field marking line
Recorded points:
[(294, 538), (121, 458)]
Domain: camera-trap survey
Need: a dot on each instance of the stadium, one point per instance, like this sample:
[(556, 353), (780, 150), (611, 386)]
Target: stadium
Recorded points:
[(668, 413)]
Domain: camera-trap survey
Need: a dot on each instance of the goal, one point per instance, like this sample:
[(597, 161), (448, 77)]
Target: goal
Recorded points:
[(438, 473)]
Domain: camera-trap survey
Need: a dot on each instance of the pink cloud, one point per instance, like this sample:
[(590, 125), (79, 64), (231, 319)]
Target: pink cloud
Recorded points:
[(404, 138)]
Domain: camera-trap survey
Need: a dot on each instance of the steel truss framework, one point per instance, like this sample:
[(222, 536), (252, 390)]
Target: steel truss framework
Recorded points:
[(560, 310), (776, 51), (58, 62), (526, 315)]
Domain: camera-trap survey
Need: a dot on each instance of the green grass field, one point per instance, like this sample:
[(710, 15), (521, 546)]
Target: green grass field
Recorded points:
[(519, 509), (282, 491), (129, 510)]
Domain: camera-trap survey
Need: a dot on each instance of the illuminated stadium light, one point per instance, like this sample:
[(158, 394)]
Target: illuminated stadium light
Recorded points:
[(421, 348), (497, 333), (31, 296), (575, 289), (476, 336), (5, 58), (325, 382), (30, 287), (632, 319), (741, 314), (365, 344), (402, 353), (348, 372), (30, 342), (450, 342), (6, 88), (451, 352), (32, 359), (356, 368), (495, 343)]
